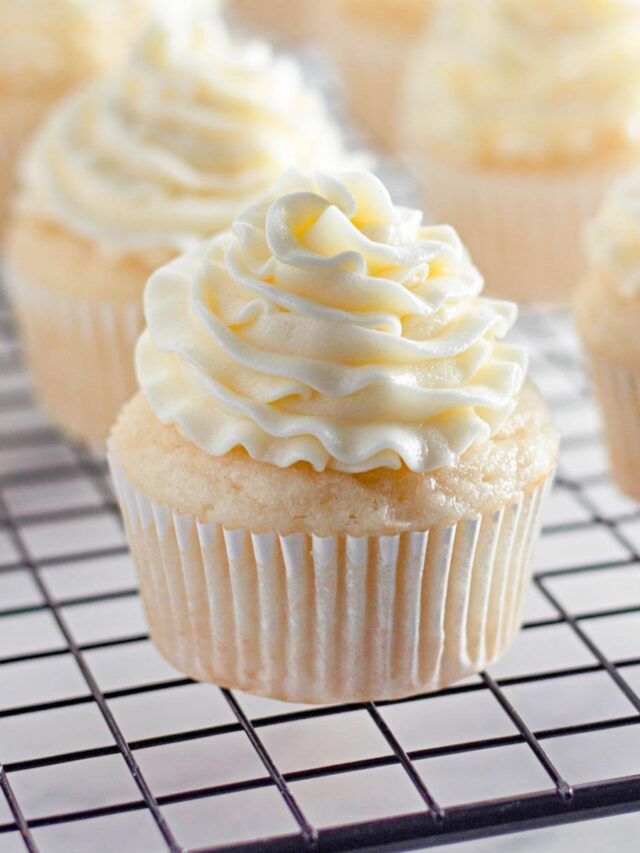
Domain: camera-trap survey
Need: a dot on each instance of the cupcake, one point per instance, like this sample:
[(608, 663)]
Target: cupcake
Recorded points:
[(288, 20), (125, 175), (517, 115), (47, 47), (370, 41), (607, 314), (332, 475)]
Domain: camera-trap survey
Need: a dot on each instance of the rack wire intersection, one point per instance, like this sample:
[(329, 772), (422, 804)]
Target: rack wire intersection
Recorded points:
[(104, 747)]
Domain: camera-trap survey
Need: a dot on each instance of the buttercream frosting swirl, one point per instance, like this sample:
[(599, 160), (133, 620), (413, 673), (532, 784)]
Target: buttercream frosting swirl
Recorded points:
[(47, 42), (167, 150), (528, 82), (332, 328), (613, 238)]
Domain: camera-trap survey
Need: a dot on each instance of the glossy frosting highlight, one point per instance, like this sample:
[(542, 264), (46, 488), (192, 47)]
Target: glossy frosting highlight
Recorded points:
[(332, 328), (529, 82), (166, 151)]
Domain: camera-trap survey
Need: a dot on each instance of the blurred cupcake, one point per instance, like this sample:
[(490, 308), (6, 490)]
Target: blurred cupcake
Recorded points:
[(47, 47), (332, 477), (126, 174), (289, 20), (370, 41), (517, 115), (607, 313)]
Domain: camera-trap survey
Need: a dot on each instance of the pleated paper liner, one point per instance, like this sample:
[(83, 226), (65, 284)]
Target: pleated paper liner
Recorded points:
[(618, 392), (523, 230), (80, 355), (331, 619)]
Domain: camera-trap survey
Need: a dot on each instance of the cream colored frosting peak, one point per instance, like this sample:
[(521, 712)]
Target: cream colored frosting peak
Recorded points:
[(332, 328), (528, 82), (613, 238), (166, 151)]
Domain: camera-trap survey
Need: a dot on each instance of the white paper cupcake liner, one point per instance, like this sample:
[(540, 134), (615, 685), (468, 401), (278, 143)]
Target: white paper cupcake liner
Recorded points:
[(331, 619), (524, 231), (80, 355), (618, 392)]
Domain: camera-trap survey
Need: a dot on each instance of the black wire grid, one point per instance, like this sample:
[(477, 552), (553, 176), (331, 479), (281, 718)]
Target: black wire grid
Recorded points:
[(104, 747)]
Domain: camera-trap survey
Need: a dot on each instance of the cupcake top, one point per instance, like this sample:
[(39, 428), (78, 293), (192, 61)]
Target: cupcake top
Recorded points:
[(524, 84), (613, 238), (331, 328), (167, 150), (57, 42)]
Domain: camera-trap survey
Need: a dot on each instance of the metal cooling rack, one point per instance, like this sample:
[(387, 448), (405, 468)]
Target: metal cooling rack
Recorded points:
[(105, 747)]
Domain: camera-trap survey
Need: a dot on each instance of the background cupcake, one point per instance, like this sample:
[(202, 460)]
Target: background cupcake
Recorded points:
[(126, 174), (332, 478), (370, 41), (47, 47), (289, 20), (607, 313), (517, 115)]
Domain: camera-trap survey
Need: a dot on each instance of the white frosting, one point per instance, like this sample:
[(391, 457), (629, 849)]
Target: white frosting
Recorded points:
[(169, 149), (527, 81), (329, 327), (42, 41), (613, 238)]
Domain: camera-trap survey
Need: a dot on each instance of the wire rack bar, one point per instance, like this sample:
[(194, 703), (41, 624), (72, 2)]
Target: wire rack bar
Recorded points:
[(276, 719), (562, 787), (530, 811), (624, 686), (326, 770), (527, 813), (100, 598), (96, 693), (303, 775), (20, 822), (30, 519), (566, 799), (403, 758), (84, 647), (309, 833)]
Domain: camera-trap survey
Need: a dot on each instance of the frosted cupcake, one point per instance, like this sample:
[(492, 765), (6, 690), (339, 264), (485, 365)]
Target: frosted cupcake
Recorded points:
[(517, 115), (607, 313), (290, 20), (47, 47), (130, 172), (371, 40), (332, 476)]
